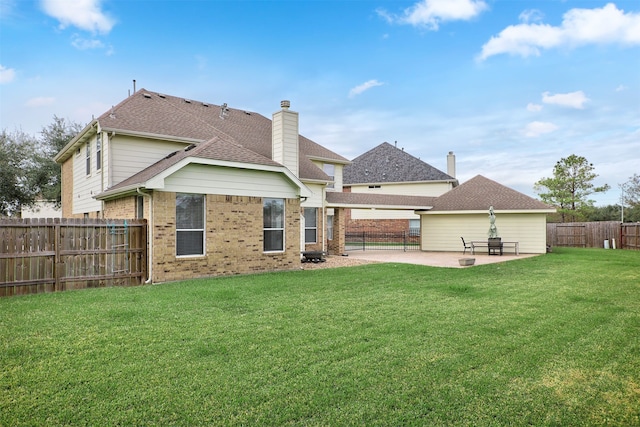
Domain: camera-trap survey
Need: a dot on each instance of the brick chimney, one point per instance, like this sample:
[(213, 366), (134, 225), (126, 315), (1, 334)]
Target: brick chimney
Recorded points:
[(284, 141)]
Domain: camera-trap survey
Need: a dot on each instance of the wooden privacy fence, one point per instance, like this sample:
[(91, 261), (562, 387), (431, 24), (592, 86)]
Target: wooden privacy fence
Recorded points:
[(53, 254), (594, 234)]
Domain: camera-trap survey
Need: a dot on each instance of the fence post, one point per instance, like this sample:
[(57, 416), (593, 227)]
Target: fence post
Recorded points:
[(56, 256), (363, 241)]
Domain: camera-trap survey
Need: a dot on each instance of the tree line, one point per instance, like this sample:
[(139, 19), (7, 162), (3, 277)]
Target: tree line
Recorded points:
[(29, 174)]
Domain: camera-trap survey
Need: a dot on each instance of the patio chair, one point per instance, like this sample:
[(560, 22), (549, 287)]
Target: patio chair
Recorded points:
[(466, 246)]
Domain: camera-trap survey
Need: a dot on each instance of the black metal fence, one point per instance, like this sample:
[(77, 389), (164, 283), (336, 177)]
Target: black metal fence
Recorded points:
[(382, 240)]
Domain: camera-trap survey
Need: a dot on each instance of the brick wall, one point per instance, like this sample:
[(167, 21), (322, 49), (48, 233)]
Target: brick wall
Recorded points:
[(387, 225), (67, 188), (120, 208), (234, 242)]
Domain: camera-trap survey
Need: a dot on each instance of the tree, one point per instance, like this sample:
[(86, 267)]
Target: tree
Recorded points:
[(570, 187), (17, 171), (27, 169), (631, 191), (53, 139)]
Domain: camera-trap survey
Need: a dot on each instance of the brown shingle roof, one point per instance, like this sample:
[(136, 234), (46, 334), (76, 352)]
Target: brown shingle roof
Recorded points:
[(147, 112), (386, 163), (479, 193)]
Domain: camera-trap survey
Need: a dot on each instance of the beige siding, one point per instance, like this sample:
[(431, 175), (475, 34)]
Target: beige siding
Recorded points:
[(285, 140), (406, 189), (206, 179), (338, 171), (442, 232), (427, 189), (130, 155), (85, 187), (382, 214), (317, 199)]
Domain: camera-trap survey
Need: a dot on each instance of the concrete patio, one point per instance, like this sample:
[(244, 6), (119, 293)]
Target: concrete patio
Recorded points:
[(435, 259)]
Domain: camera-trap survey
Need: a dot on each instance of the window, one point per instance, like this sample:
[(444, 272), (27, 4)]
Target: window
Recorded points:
[(273, 228), (88, 158), (330, 169), (98, 151), (330, 227), (374, 186), (189, 224), (414, 227), (310, 225)]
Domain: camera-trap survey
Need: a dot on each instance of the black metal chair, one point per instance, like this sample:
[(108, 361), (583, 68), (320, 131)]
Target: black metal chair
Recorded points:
[(466, 246)]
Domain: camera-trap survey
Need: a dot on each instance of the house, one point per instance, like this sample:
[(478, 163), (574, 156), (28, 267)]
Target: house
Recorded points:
[(389, 170), (224, 190), (463, 212), (228, 191)]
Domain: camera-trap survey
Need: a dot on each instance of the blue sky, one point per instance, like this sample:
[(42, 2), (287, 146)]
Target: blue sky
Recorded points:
[(510, 86)]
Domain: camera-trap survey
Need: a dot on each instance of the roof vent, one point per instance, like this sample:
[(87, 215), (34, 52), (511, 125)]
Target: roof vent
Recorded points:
[(285, 104), (205, 104), (171, 154), (187, 101), (191, 147), (162, 96), (147, 95), (224, 111)]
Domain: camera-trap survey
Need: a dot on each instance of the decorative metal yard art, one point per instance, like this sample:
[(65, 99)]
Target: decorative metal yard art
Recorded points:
[(493, 231), (495, 242)]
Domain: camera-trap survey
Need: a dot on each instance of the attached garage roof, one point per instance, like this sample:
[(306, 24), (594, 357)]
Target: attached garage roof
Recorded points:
[(479, 193)]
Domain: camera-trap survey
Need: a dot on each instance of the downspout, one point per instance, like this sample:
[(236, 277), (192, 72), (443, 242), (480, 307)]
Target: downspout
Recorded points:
[(324, 228), (149, 236)]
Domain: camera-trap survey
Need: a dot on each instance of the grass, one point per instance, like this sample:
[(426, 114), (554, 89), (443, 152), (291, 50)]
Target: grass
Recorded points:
[(549, 340)]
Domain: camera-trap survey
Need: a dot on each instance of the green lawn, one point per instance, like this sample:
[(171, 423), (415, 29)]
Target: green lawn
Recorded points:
[(549, 340)]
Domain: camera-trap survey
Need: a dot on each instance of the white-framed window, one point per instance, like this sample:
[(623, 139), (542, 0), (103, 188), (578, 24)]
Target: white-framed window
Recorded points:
[(329, 227), (190, 221), (310, 225), (87, 155), (414, 227), (330, 169), (273, 228), (98, 151)]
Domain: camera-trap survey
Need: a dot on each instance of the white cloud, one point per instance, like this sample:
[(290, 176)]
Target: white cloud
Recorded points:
[(621, 88), (579, 27), (534, 108), (364, 87), (84, 44), (572, 99), (535, 129), (84, 14), (531, 15), (40, 101), (430, 13), (6, 74)]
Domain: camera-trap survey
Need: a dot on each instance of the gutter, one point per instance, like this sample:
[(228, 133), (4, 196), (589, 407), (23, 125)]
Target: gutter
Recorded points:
[(149, 237)]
